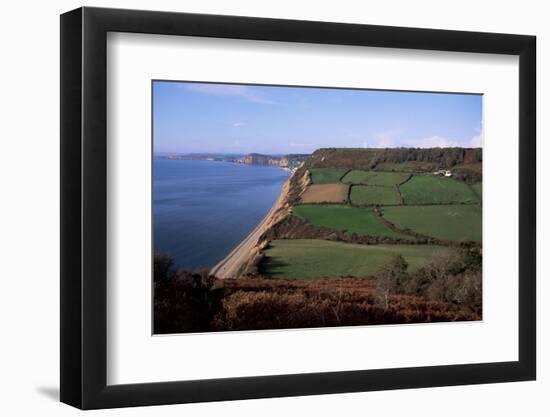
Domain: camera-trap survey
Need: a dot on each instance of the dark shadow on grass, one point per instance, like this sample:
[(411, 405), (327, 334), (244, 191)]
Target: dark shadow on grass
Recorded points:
[(269, 264)]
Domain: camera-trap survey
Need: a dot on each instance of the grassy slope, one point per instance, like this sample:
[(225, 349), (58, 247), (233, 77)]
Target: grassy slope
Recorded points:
[(429, 189), (362, 221), (449, 222), (364, 194), (327, 175), (477, 187), (310, 259)]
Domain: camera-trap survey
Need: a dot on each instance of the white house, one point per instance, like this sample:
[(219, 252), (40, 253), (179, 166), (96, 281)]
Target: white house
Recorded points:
[(443, 172)]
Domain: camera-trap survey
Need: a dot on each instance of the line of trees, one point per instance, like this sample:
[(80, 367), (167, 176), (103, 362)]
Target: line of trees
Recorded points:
[(447, 157), (426, 159)]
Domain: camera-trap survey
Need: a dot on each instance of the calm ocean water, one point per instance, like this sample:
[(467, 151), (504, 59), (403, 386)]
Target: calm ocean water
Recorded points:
[(203, 209)]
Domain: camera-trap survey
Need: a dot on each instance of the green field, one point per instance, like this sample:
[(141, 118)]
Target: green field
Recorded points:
[(384, 179), (429, 189), (357, 176), (365, 194), (358, 220), (477, 187), (327, 175), (409, 166), (310, 259), (387, 179), (447, 222)]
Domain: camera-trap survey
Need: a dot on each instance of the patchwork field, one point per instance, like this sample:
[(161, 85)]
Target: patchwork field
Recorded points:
[(408, 195), (325, 193), (366, 194), (361, 221), (311, 259), (327, 175), (429, 189), (447, 222)]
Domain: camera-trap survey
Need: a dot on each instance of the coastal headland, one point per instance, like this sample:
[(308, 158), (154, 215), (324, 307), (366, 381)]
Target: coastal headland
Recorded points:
[(364, 196)]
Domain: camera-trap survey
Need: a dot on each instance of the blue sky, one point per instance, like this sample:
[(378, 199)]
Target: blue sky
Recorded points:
[(224, 118)]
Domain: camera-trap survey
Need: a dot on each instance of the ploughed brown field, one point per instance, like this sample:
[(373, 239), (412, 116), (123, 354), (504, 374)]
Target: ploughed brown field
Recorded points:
[(325, 193)]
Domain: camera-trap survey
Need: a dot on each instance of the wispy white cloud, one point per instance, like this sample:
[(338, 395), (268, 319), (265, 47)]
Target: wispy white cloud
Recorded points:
[(239, 124), (385, 139), (435, 142), (477, 140), (227, 90), (393, 139)]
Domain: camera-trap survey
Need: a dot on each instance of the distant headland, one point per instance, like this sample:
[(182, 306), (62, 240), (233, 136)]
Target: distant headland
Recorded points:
[(289, 161)]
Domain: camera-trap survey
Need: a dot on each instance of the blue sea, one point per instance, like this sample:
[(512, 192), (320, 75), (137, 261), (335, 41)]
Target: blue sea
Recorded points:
[(203, 209)]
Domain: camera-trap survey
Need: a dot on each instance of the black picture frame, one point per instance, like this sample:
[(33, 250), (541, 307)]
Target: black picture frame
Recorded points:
[(84, 207)]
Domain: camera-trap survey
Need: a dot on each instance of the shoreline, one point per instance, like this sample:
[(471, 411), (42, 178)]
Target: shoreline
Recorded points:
[(284, 168), (230, 265)]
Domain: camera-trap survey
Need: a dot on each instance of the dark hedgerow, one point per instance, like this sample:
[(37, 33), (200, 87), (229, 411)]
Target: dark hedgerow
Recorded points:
[(183, 301)]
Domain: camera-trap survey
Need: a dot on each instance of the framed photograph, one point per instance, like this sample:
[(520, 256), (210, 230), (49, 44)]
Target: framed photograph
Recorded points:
[(257, 208)]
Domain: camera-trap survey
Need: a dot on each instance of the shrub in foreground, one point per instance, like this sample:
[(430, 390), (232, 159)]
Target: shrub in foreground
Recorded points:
[(195, 302)]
